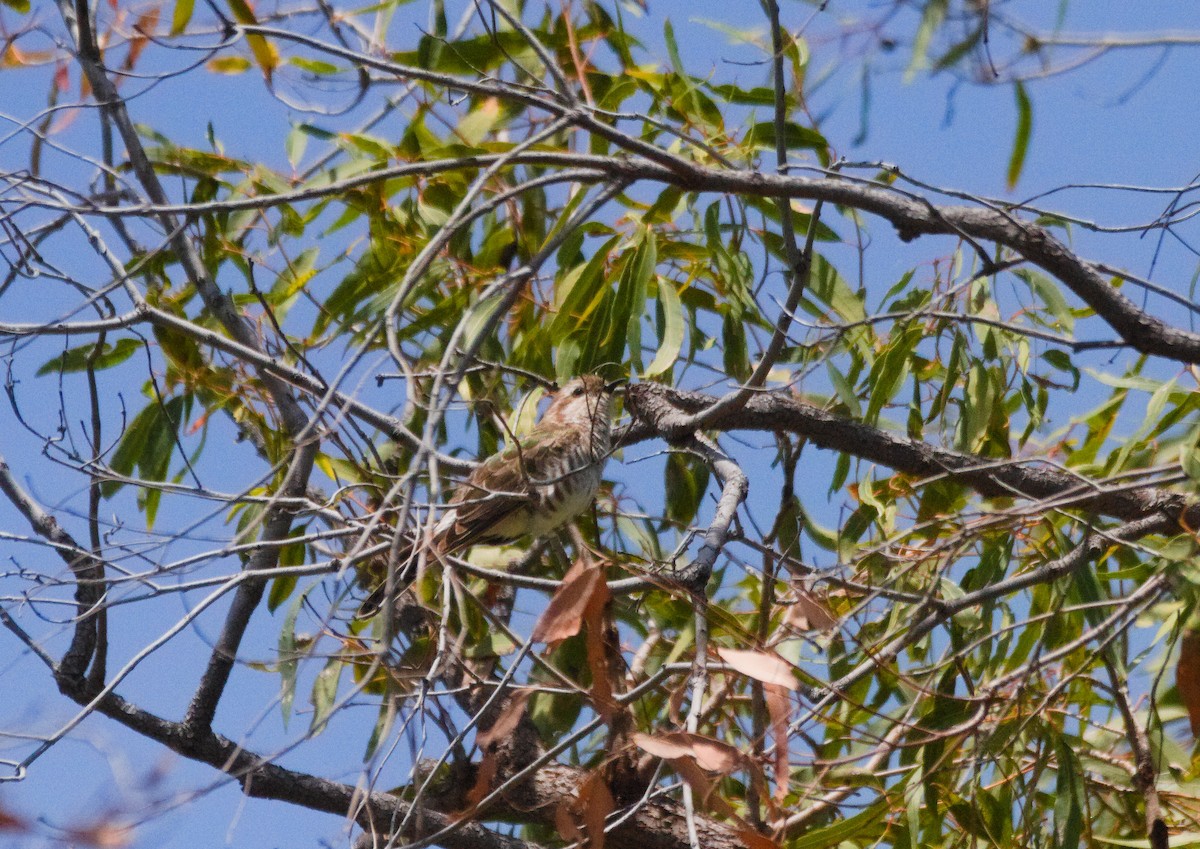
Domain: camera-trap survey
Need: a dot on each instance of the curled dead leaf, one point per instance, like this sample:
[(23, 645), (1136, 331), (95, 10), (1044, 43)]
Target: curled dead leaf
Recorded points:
[(709, 754)]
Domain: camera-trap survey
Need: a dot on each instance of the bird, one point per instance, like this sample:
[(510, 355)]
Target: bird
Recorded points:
[(536, 485)]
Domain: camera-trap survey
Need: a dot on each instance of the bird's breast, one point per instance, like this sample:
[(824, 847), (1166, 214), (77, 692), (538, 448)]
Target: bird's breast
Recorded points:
[(559, 502)]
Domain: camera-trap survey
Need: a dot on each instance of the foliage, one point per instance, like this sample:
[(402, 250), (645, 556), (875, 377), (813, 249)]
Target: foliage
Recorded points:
[(942, 617)]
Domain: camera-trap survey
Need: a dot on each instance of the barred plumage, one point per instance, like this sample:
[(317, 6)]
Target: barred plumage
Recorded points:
[(533, 487)]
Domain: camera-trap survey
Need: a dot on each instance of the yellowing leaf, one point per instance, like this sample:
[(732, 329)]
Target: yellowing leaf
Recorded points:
[(264, 52), (229, 65)]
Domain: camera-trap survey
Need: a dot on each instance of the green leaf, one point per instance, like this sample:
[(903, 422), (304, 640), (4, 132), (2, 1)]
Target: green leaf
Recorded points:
[(931, 18), (579, 291), (843, 390), (478, 318), (958, 51), (1061, 360), (1021, 140), (763, 134), (1189, 459), (1068, 801), (294, 145), (264, 52), (873, 818), (76, 359), (324, 694), (631, 302), (889, 373), (148, 443), (314, 66), (1051, 296), (229, 65), (686, 480), (289, 660), (383, 724), (672, 330)]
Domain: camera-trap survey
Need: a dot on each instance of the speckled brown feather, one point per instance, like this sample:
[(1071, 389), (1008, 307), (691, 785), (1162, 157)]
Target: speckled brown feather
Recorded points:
[(533, 487)]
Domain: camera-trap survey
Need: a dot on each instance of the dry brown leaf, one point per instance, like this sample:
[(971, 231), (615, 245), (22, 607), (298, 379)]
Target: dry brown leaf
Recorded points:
[(563, 616), (597, 652), (754, 840), (1187, 677), (597, 803), (779, 708), (703, 788), (485, 774), (506, 722), (664, 745), (675, 702), (564, 823), (762, 666), (808, 613), (715, 755), (709, 754)]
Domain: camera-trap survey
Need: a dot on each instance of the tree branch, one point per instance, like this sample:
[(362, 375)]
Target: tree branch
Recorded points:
[(661, 411)]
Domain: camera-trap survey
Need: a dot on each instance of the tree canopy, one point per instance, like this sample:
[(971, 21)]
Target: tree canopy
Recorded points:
[(897, 545)]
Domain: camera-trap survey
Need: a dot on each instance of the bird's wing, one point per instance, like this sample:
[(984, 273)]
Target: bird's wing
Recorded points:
[(498, 489)]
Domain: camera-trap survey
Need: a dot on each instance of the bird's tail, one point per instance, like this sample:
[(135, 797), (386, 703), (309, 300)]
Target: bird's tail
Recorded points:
[(374, 576)]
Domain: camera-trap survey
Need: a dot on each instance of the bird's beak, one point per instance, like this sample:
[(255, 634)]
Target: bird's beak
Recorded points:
[(615, 385)]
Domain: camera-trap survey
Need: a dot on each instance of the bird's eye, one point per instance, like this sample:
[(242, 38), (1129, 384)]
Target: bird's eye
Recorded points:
[(577, 391)]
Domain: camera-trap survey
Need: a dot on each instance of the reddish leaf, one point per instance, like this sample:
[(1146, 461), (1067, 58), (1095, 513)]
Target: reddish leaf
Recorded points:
[(767, 667), (506, 722), (754, 840), (563, 617), (564, 823), (485, 774), (12, 822), (779, 708), (1187, 677), (597, 650), (102, 835), (597, 803), (143, 28)]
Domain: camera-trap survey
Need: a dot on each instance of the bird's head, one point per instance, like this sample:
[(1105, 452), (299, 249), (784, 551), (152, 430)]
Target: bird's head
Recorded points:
[(583, 400)]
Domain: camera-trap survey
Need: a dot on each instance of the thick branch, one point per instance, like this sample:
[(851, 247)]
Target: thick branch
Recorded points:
[(265, 780), (86, 569), (661, 411), (278, 519)]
